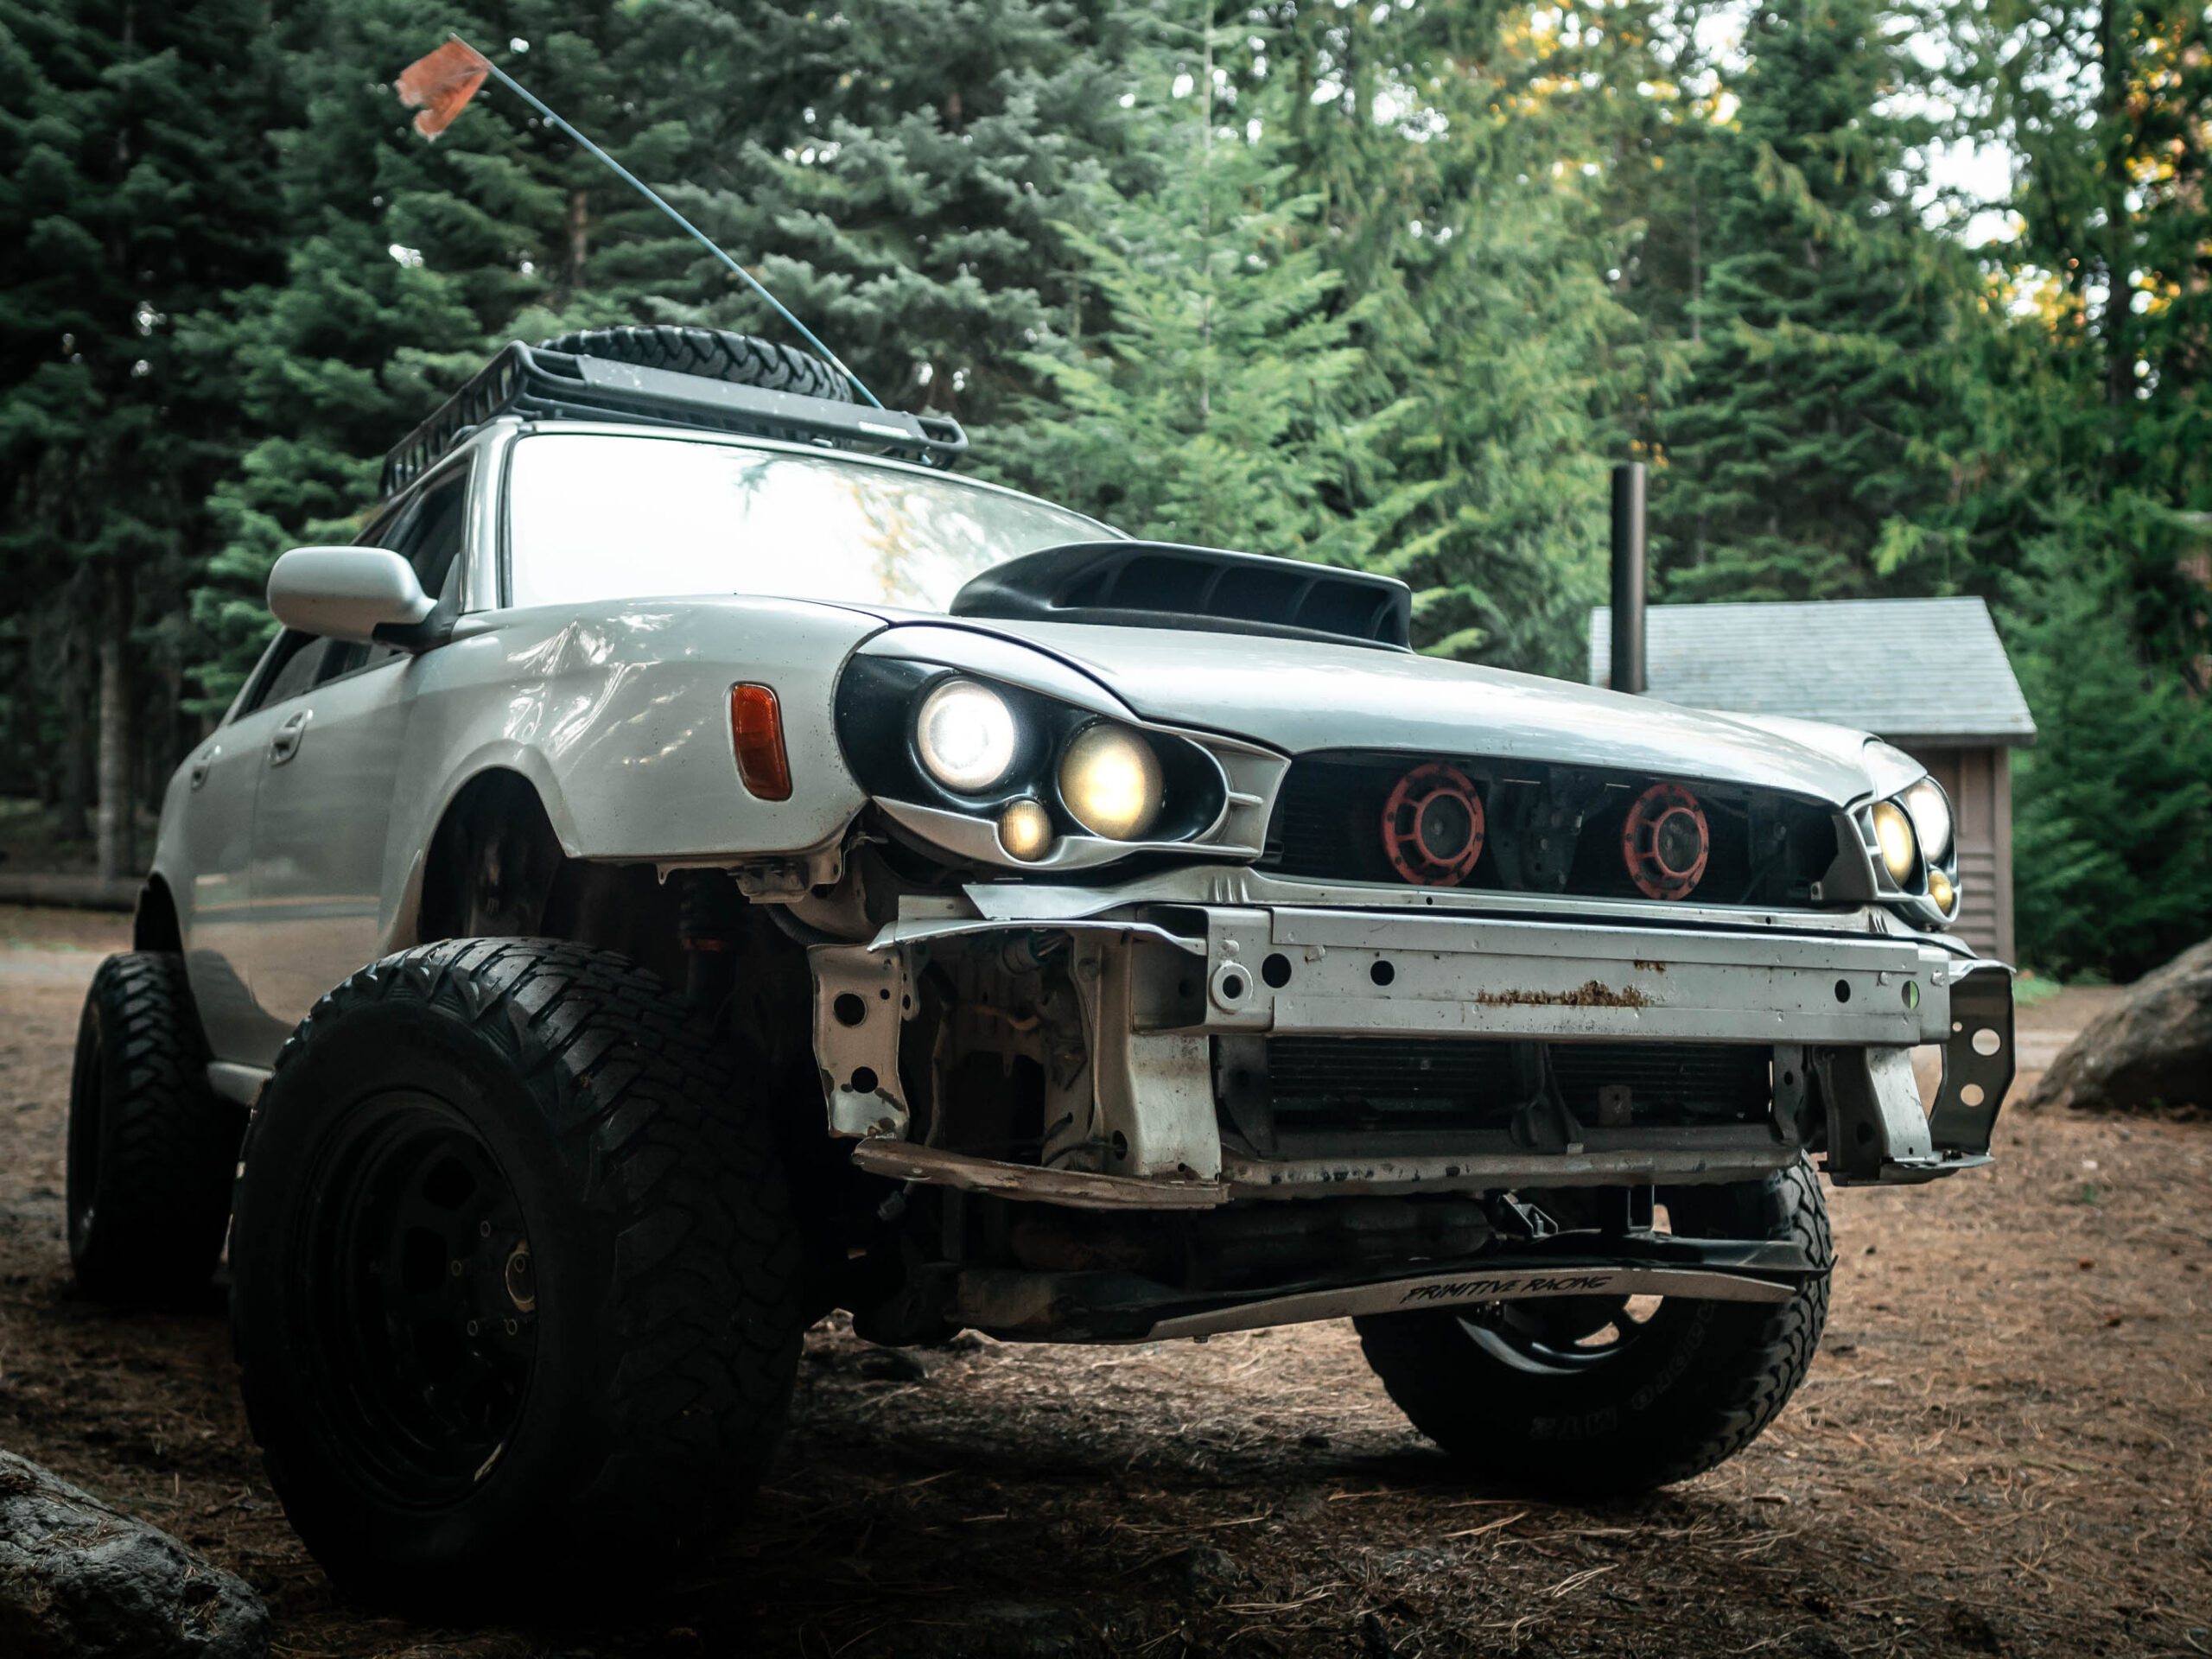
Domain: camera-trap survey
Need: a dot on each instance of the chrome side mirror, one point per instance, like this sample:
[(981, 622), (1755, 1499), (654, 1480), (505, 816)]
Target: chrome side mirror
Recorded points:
[(361, 594)]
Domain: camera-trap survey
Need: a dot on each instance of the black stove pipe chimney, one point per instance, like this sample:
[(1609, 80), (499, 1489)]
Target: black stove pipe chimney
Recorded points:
[(1628, 577)]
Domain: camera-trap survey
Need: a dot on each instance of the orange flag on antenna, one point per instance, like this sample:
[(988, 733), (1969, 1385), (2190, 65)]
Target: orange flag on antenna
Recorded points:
[(440, 85)]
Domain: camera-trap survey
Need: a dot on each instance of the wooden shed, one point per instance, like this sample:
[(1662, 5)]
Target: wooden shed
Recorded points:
[(1929, 675)]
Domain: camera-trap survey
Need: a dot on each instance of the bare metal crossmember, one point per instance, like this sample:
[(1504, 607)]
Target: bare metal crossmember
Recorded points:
[(1367, 972)]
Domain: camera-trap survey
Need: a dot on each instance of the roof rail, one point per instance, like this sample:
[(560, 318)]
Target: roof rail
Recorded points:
[(539, 384)]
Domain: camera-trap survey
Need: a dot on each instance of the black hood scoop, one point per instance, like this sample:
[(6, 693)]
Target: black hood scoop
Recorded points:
[(1159, 584)]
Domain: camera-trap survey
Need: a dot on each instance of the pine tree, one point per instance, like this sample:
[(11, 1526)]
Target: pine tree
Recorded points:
[(2113, 837), (1502, 350), (1203, 407), (905, 213), (129, 199), (1817, 430), (907, 185)]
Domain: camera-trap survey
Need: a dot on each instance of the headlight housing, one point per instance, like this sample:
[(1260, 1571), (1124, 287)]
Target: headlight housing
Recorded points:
[(1913, 838), (993, 772)]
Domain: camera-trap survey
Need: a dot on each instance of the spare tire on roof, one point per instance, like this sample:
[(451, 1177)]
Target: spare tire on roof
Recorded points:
[(715, 352)]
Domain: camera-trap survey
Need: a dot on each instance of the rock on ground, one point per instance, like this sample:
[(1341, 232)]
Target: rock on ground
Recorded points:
[(80, 1581), (2154, 1047)]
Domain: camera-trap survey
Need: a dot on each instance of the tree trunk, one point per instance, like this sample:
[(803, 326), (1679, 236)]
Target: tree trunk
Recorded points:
[(579, 238), (116, 818), (73, 801), (2113, 133)]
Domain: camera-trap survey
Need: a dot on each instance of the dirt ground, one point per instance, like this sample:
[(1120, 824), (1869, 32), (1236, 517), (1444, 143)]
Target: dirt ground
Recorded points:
[(2002, 1448)]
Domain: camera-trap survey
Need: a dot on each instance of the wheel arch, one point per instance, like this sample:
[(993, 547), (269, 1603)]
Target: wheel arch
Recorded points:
[(154, 923), (492, 793)]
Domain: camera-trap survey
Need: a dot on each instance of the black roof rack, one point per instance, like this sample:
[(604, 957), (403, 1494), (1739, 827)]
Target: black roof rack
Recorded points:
[(539, 384)]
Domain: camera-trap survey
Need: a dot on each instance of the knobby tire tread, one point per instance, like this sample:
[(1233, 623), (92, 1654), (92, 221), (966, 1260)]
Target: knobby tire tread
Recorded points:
[(705, 1267), (168, 1144), (1436, 1377), (743, 359)]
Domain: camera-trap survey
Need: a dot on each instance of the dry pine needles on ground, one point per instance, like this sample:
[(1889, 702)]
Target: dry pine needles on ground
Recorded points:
[(2002, 1448)]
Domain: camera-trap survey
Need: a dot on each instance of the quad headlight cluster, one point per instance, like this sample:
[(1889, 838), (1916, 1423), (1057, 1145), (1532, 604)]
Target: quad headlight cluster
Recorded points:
[(1039, 769), (1915, 838), (1109, 776)]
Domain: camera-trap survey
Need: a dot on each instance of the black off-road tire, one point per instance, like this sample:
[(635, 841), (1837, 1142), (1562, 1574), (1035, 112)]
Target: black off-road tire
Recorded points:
[(1693, 1388), (719, 355), (152, 1149), (515, 1274)]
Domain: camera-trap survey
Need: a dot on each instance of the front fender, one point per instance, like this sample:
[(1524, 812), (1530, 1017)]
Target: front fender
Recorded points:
[(618, 716)]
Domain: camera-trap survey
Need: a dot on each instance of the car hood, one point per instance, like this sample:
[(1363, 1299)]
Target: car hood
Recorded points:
[(1298, 695)]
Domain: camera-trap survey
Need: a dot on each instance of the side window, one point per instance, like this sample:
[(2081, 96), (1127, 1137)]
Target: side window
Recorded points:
[(429, 531), (296, 666)]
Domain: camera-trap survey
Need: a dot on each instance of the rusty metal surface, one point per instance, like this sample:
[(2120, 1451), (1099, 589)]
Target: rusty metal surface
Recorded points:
[(1715, 1160), (1354, 972)]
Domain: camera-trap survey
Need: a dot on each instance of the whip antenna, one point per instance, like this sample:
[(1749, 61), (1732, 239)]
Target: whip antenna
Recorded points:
[(438, 88)]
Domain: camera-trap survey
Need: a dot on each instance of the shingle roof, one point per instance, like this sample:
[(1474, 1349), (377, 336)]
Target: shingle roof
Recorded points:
[(1902, 668)]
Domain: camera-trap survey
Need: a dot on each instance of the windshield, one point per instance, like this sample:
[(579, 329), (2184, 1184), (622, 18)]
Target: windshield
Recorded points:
[(594, 516)]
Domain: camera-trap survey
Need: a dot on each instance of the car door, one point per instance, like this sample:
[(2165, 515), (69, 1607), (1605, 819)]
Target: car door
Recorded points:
[(216, 913), (322, 809)]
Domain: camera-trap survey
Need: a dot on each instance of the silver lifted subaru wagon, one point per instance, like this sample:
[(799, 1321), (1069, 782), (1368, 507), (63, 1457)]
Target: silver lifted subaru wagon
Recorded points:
[(694, 864)]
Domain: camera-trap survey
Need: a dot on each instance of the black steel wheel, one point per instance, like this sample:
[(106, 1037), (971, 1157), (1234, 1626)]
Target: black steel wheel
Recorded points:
[(152, 1149), (1583, 1397), (515, 1275), (415, 1275)]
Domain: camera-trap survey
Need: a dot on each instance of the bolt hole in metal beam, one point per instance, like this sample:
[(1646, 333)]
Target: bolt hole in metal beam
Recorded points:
[(1275, 969), (1986, 1042), (1381, 972), (1843, 990), (849, 1008)]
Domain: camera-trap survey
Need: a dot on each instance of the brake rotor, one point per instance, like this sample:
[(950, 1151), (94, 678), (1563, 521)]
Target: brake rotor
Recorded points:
[(1665, 842), (1432, 826)]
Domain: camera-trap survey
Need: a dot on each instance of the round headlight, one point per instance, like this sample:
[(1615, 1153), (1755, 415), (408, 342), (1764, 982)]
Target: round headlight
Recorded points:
[(1110, 780), (965, 736), (1931, 817), (1893, 833)]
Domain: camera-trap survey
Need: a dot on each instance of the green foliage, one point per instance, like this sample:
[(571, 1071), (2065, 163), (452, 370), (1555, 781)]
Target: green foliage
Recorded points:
[(1386, 286), (1810, 444), (1206, 410), (2113, 835), (128, 201)]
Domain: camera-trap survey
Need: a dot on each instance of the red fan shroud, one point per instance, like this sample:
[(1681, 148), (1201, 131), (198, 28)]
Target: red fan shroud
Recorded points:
[(1432, 826), (1665, 842)]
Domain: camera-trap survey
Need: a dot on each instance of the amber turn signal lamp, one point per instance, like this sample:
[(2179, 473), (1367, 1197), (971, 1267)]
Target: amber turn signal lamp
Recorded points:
[(756, 728)]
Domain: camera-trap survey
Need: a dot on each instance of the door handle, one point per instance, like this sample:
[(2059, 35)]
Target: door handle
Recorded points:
[(286, 743), (199, 774)]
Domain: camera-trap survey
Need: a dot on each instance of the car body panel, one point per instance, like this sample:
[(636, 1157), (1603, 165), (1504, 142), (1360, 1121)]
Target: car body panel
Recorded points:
[(321, 813), (1297, 696)]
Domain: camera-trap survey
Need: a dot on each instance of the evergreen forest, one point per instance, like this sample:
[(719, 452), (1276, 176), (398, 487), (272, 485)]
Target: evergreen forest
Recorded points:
[(1389, 284)]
